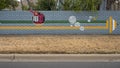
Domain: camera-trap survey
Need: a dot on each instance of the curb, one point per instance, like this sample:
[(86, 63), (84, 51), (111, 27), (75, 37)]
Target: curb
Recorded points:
[(6, 57), (59, 57)]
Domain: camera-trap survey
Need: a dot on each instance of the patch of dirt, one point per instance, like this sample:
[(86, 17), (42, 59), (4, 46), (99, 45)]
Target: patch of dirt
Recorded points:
[(65, 44)]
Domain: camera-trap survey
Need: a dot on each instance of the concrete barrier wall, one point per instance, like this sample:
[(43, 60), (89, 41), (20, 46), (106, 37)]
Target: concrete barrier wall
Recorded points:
[(59, 15)]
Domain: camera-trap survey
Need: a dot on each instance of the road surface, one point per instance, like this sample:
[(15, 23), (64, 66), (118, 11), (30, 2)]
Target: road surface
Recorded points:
[(60, 65)]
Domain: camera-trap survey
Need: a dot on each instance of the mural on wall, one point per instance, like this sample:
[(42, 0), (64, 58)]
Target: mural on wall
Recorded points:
[(60, 16), (110, 25), (72, 24)]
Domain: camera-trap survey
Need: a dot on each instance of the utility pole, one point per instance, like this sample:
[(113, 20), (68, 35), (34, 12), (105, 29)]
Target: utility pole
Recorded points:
[(58, 5), (103, 5)]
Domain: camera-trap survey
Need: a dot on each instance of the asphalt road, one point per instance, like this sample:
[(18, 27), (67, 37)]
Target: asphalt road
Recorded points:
[(60, 65)]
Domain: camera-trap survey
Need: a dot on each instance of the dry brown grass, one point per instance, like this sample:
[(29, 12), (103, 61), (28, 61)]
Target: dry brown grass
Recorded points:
[(60, 44)]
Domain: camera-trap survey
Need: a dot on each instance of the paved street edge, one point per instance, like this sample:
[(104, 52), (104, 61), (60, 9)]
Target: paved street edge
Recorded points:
[(59, 57)]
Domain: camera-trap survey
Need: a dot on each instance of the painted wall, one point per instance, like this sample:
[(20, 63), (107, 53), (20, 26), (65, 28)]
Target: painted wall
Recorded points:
[(58, 15)]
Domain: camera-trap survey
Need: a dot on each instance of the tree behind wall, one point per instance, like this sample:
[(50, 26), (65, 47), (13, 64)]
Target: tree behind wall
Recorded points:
[(3, 4), (30, 4), (45, 5), (81, 5), (76, 5), (11, 4)]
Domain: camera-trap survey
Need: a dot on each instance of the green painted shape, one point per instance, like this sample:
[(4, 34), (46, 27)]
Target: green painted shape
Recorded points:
[(47, 21)]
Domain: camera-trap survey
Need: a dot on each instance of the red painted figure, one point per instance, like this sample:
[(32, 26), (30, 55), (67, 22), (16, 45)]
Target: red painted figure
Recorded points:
[(38, 17)]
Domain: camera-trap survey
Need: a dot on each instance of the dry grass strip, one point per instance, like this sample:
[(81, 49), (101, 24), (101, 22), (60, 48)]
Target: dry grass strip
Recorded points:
[(66, 44)]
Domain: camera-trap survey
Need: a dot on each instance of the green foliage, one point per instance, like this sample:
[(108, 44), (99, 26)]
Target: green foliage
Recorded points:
[(24, 7), (3, 4), (81, 5), (13, 4), (67, 5), (8, 4), (91, 5), (45, 5), (48, 21)]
